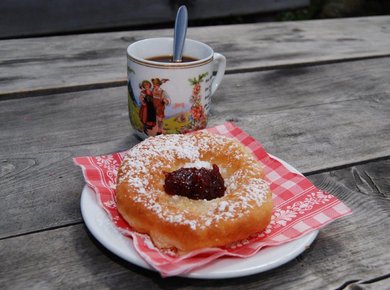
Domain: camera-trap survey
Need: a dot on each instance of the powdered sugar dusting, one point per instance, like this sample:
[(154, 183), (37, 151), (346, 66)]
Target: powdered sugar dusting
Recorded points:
[(198, 164), (144, 164)]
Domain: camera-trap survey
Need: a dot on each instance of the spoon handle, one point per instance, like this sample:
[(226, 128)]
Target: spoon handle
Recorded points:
[(180, 33)]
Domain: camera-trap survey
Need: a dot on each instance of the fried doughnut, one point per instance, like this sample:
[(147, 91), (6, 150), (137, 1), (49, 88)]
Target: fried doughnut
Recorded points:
[(185, 224)]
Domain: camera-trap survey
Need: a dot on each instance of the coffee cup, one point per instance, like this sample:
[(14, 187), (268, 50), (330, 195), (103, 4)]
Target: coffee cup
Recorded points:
[(166, 97)]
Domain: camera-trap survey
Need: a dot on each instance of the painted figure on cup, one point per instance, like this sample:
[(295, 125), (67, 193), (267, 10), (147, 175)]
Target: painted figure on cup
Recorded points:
[(147, 111), (153, 100), (160, 100)]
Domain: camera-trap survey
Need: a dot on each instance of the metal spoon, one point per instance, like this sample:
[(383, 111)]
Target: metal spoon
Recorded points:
[(180, 32)]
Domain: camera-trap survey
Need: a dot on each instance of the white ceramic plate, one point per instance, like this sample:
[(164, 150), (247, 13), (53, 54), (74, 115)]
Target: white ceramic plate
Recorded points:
[(268, 258)]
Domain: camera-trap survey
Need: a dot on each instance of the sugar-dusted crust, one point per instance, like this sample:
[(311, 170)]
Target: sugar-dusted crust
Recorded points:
[(186, 224)]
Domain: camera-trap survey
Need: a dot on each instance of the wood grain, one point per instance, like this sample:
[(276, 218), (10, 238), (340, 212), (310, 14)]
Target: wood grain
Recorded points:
[(29, 18), (314, 118), (362, 231), (67, 63), (351, 249)]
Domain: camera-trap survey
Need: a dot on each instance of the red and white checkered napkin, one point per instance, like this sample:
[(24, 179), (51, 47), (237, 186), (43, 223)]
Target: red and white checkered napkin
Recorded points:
[(299, 208)]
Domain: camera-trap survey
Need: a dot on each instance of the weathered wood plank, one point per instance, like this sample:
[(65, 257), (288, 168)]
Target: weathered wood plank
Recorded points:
[(293, 112), (356, 233), (350, 249), (37, 17), (54, 64)]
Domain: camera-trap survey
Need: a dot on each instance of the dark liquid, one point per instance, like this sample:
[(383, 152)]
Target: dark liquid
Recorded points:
[(168, 58)]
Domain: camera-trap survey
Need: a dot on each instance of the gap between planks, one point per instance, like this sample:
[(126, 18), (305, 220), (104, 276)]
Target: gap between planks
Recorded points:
[(42, 230), (357, 284), (347, 165)]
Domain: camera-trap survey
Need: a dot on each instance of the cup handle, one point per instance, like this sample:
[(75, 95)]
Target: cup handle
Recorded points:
[(220, 62)]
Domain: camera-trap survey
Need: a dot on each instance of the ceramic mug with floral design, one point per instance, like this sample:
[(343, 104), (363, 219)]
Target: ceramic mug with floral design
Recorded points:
[(168, 97)]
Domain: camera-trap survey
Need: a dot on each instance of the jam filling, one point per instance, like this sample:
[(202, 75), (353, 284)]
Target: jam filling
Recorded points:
[(195, 183)]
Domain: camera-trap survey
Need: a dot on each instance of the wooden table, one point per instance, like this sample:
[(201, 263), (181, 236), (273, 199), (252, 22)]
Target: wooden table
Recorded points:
[(315, 93)]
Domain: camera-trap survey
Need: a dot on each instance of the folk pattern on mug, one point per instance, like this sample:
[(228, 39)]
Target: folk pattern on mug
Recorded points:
[(198, 117), (148, 110)]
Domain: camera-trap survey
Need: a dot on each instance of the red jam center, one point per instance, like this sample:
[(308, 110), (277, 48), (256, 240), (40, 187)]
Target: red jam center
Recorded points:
[(195, 183)]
